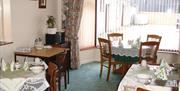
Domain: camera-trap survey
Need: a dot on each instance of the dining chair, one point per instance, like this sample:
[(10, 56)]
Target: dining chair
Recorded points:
[(148, 51), (115, 37), (154, 37), (62, 64), (105, 56), (52, 73)]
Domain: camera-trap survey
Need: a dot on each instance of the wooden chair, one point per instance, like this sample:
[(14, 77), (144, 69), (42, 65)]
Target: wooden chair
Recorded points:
[(150, 53), (66, 45), (62, 64), (115, 37), (154, 37), (52, 73), (105, 56)]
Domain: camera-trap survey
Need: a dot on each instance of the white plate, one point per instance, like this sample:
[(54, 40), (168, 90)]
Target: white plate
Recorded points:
[(36, 69), (144, 78), (48, 46)]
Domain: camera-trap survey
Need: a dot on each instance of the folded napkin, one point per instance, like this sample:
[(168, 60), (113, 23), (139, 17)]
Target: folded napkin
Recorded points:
[(3, 65), (120, 43), (163, 70), (137, 42), (26, 66), (12, 65)]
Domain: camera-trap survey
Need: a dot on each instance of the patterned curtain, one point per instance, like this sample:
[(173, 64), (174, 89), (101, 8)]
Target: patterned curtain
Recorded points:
[(71, 24)]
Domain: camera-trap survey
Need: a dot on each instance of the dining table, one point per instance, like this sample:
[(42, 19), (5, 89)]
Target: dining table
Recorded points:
[(126, 53), (44, 53), (23, 80), (131, 81)]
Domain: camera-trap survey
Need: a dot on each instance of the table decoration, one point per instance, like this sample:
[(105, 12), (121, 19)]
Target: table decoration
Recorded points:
[(163, 71)]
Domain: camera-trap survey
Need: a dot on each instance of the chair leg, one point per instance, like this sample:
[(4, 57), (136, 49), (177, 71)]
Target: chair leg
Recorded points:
[(108, 75), (59, 83), (68, 75), (65, 82), (54, 84), (114, 68), (101, 68)]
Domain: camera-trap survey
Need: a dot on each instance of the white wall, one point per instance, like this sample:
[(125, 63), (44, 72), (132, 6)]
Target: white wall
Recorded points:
[(90, 55), (28, 21)]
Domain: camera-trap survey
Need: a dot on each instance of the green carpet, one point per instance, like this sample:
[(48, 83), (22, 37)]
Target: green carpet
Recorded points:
[(86, 78)]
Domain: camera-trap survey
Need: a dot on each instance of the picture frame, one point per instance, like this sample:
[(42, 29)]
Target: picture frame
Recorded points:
[(42, 3)]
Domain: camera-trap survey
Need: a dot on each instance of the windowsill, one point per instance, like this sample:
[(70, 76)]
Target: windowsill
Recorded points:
[(5, 43), (169, 52)]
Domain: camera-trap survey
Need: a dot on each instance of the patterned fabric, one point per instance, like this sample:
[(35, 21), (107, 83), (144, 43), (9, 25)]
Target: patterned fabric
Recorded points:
[(21, 80), (127, 54), (73, 15), (34, 85)]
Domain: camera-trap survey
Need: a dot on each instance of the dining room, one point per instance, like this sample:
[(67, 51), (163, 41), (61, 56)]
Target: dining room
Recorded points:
[(25, 34)]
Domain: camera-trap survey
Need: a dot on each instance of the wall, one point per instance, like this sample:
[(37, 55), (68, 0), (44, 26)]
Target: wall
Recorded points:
[(28, 21), (90, 55)]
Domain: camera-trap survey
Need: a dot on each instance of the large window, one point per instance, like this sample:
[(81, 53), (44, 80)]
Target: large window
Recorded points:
[(156, 5), (137, 18)]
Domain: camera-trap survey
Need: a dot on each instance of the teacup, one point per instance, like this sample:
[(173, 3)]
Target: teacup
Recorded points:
[(17, 65), (37, 60)]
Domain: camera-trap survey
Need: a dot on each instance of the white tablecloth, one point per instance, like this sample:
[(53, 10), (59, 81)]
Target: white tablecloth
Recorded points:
[(20, 80), (127, 50), (130, 82)]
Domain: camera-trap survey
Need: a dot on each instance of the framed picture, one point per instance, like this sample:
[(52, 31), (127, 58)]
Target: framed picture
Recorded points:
[(42, 3)]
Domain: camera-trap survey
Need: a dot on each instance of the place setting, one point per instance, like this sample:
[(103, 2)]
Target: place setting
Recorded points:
[(162, 76), (14, 75), (23, 69)]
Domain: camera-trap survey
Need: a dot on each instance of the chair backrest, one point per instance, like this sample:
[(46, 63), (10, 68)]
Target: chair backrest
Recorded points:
[(154, 37), (148, 51), (61, 60), (52, 73), (105, 48), (115, 38)]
